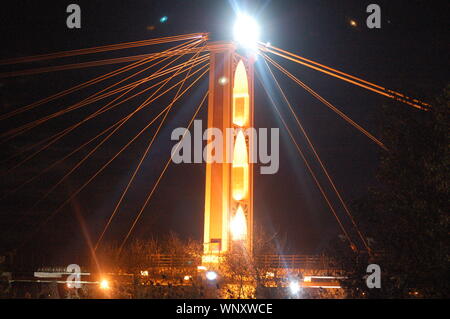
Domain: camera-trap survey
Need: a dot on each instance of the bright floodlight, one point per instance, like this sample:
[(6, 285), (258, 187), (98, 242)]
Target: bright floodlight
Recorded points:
[(246, 31), (294, 287), (104, 284), (211, 275)]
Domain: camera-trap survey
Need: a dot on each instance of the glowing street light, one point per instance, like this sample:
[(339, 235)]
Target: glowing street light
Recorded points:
[(104, 284), (246, 31), (144, 273), (294, 287), (211, 275)]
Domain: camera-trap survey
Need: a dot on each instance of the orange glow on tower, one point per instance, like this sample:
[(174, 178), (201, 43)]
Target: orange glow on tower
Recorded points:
[(239, 174), (241, 99), (238, 225), (240, 171), (229, 182)]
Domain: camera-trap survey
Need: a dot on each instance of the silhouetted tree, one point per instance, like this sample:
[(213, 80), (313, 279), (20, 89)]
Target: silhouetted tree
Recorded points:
[(406, 216)]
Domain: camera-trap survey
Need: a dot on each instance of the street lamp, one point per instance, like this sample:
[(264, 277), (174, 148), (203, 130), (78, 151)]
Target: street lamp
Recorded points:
[(104, 284), (211, 275), (246, 31), (294, 287)]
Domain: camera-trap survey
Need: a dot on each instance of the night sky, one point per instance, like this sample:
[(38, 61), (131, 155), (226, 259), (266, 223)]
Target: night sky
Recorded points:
[(408, 54)]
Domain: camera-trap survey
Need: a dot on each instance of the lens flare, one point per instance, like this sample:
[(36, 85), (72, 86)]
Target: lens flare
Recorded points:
[(211, 275), (294, 287), (104, 284), (246, 31)]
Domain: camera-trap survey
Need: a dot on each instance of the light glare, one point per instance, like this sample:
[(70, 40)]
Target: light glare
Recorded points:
[(246, 31), (294, 287), (223, 80), (211, 275), (104, 284)]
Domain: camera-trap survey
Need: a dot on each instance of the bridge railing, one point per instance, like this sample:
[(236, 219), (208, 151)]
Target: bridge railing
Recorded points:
[(265, 261), (294, 261), (166, 261), (268, 261)]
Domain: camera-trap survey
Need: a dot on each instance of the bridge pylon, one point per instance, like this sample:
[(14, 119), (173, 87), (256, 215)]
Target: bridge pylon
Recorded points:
[(229, 176)]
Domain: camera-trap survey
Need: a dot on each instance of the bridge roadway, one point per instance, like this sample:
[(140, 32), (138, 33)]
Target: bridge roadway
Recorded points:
[(312, 270)]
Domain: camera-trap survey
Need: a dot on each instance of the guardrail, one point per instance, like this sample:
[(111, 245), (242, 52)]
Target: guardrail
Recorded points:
[(168, 261), (269, 261), (295, 261)]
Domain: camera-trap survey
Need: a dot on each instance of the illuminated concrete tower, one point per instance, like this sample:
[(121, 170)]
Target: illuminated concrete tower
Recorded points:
[(229, 184)]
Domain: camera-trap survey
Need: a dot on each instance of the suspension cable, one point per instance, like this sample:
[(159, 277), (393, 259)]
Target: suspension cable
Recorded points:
[(330, 180), (327, 103), (102, 110), (61, 159), (346, 77), (319, 186), (90, 64), (136, 170), (24, 128), (55, 212), (148, 101), (87, 83), (104, 48), (150, 194), (108, 106)]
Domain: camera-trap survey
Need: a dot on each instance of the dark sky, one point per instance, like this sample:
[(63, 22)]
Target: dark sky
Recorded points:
[(409, 54)]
